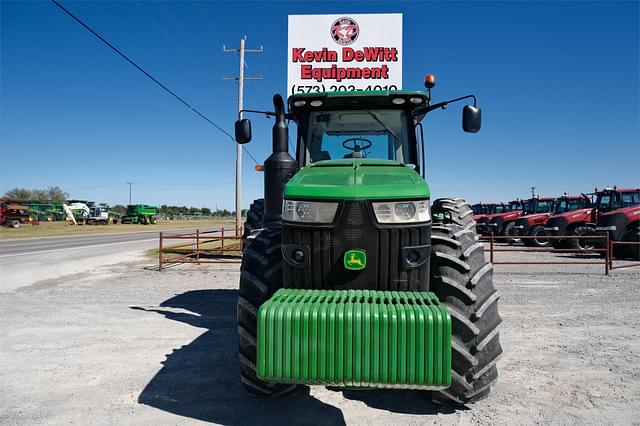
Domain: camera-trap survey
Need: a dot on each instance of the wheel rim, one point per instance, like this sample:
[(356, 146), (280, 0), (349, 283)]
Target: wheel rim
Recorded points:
[(584, 244), (541, 241)]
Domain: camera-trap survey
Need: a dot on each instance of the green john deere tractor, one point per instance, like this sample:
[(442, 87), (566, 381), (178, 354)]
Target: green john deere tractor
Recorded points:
[(350, 275)]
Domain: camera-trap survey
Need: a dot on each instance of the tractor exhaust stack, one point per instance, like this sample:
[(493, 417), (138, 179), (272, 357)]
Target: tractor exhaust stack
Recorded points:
[(278, 168)]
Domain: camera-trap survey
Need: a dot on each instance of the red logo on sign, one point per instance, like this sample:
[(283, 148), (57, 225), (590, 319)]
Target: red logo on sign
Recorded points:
[(345, 31)]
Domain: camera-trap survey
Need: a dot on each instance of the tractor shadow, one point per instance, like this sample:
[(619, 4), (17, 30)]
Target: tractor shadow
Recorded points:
[(413, 402), (201, 379)]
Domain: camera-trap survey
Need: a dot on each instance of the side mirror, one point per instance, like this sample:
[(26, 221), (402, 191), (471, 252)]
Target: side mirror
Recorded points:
[(471, 119), (243, 131)]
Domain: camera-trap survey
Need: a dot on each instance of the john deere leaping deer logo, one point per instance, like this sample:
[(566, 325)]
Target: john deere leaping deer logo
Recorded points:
[(355, 259)]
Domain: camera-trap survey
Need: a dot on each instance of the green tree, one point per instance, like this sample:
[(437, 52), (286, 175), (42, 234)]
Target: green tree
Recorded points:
[(39, 195), (119, 208), (56, 194), (18, 194)]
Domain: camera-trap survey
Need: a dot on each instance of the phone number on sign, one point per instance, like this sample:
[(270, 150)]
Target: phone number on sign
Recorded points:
[(317, 88)]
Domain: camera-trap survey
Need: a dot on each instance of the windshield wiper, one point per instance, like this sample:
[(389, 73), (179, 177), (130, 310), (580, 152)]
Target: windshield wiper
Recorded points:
[(375, 117)]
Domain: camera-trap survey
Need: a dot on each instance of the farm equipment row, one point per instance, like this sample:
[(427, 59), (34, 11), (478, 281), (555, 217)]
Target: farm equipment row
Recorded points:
[(615, 211), (14, 213)]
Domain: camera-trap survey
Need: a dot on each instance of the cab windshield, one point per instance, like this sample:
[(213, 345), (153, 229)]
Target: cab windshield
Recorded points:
[(376, 133), (568, 205), (608, 201), (538, 206)]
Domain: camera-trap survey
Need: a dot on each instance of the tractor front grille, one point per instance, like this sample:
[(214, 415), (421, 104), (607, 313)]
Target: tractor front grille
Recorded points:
[(355, 338), (386, 247)]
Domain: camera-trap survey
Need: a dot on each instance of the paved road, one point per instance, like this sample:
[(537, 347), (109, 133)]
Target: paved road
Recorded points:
[(29, 261), (11, 248)]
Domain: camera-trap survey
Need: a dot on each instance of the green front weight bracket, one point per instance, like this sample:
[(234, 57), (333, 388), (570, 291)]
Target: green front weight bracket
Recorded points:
[(359, 338)]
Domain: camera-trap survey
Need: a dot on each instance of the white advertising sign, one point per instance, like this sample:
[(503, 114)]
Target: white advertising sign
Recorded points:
[(334, 53)]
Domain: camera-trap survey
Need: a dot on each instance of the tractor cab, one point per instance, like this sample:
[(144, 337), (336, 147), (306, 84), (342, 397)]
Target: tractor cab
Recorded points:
[(616, 198), (341, 126), (481, 209), (568, 203), (538, 205)]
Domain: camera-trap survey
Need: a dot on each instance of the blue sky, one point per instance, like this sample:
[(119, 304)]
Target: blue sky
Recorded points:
[(558, 84)]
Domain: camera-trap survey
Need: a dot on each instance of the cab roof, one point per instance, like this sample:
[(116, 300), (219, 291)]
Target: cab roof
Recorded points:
[(322, 101)]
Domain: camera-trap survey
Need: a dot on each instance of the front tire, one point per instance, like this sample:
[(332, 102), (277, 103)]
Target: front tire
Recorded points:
[(260, 277), (509, 230), (581, 243), (538, 232), (462, 280)]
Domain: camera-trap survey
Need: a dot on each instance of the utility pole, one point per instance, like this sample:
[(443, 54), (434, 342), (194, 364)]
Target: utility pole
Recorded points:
[(533, 192), (240, 79), (129, 183)]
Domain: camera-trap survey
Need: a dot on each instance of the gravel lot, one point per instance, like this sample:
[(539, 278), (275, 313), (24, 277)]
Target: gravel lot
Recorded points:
[(127, 344)]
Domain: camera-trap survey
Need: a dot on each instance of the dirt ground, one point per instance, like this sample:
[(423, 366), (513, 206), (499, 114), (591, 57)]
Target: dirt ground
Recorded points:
[(126, 344)]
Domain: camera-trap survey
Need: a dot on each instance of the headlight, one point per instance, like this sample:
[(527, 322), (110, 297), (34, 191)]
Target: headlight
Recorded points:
[(402, 211), (308, 211)]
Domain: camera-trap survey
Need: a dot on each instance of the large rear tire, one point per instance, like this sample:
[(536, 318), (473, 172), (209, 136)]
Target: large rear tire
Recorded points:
[(254, 222), (632, 251), (454, 210), (260, 277), (462, 280)]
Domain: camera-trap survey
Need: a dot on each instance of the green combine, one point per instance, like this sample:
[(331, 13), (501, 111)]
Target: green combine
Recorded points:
[(350, 275), (140, 213)]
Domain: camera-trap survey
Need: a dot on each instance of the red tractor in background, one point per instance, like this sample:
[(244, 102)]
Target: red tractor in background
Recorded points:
[(12, 214), (536, 212), (623, 224), (533, 224), (502, 223), (582, 222), (481, 210), (481, 213)]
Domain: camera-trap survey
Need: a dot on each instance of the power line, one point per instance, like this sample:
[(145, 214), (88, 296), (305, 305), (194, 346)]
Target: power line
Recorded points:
[(165, 88)]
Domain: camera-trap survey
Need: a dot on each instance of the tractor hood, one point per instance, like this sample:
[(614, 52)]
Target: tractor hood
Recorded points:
[(506, 215), (536, 217), (632, 212), (579, 215), (356, 179)]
